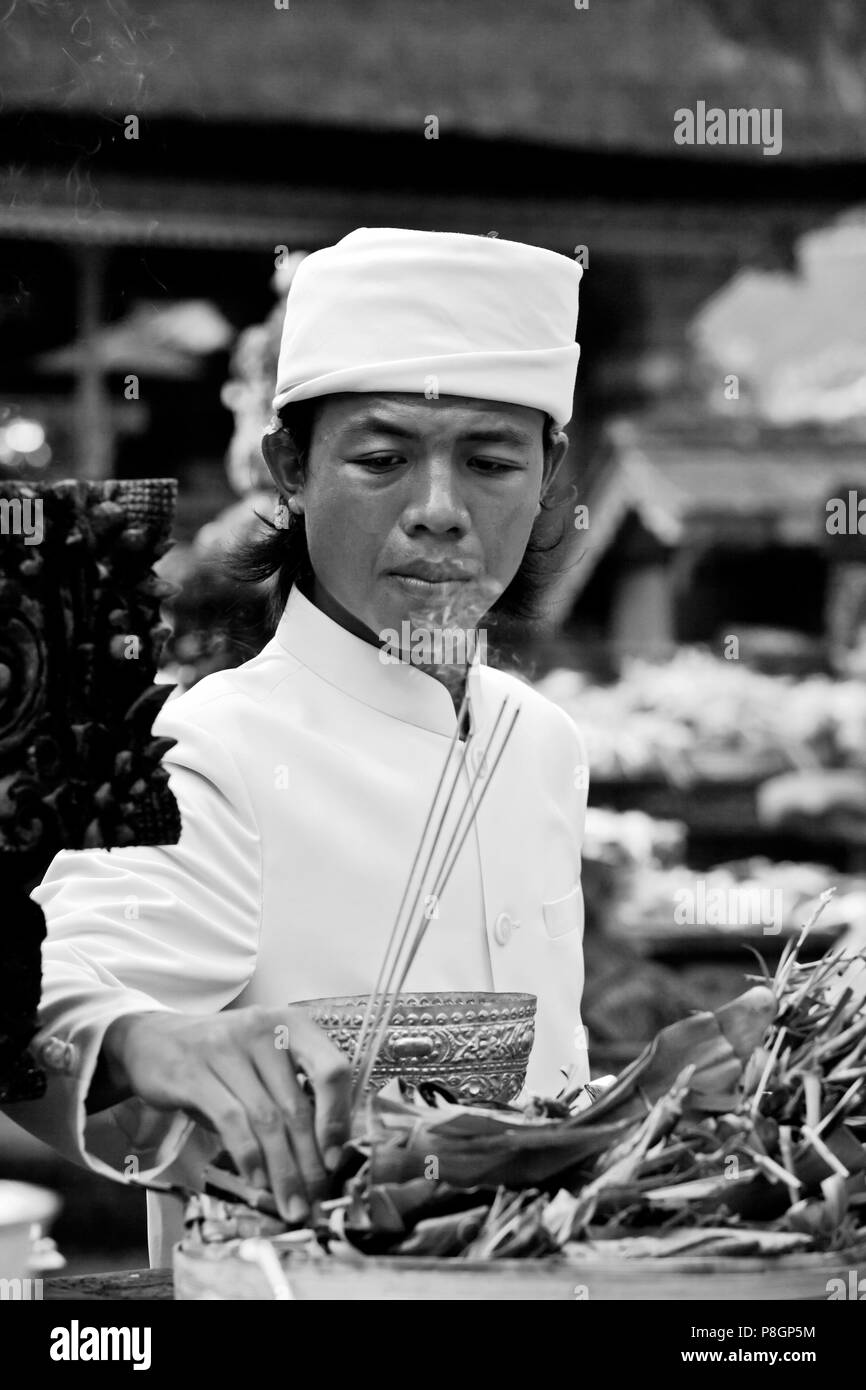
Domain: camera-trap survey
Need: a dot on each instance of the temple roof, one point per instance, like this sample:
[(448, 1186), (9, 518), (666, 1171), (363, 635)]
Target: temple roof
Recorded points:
[(690, 484), (607, 77)]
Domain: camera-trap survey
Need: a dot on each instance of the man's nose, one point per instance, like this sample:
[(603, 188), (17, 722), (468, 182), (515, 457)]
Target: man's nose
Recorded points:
[(437, 504)]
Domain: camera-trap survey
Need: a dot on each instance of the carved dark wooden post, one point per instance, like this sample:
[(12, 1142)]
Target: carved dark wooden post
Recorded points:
[(80, 636)]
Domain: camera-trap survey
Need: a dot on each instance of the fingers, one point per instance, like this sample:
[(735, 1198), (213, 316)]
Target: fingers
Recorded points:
[(329, 1073), (253, 1127), (276, 1069), (230, 1071), (220, 1110)]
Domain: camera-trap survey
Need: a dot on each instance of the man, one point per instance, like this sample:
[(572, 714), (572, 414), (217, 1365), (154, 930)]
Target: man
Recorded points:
[(422, 381)]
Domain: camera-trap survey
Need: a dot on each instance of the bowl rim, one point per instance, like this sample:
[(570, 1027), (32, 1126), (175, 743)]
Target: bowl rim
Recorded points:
[(430, 998)]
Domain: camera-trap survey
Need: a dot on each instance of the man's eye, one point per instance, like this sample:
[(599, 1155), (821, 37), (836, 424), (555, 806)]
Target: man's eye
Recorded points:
[(493, 465), (380, 462)]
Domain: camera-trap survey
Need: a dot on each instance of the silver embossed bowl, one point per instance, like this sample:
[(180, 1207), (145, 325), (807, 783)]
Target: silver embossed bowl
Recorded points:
[(477, 1045)]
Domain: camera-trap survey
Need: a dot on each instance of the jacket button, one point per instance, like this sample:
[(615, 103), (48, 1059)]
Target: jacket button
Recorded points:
[(503, 927)]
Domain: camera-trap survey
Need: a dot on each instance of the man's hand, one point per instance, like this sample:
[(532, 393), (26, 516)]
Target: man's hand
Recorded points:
[(234, 1073)]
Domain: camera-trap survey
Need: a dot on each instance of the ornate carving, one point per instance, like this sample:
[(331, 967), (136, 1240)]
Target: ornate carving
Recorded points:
[(476, 1045), (80, 637)]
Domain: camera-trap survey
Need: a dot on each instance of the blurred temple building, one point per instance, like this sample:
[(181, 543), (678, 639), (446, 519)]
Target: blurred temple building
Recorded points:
[(163, 156)]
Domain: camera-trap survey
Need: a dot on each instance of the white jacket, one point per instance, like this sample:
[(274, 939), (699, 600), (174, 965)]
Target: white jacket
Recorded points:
[(303, 779)]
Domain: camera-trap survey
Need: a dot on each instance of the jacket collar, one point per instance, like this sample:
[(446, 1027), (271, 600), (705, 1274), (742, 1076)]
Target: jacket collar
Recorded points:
[(398, 689)]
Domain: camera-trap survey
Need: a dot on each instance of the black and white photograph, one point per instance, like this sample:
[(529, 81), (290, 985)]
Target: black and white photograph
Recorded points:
[(433, 669)]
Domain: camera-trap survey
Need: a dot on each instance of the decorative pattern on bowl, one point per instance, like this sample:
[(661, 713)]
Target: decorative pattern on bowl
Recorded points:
[(477, 1045)]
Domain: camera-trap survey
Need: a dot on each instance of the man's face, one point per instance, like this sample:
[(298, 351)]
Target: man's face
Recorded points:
[(404, 496)]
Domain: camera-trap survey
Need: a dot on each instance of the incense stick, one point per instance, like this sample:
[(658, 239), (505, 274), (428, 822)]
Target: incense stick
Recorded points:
[(393, 935), (441, 884), (385, 1005), (468, 803), (396, 944)]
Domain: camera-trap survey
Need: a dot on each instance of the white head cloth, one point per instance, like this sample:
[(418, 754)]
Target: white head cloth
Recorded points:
[(436, 314)]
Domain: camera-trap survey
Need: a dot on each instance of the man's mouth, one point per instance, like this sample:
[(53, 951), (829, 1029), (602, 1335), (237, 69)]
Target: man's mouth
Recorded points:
[(452, 593), (432, 577), (422, 584)]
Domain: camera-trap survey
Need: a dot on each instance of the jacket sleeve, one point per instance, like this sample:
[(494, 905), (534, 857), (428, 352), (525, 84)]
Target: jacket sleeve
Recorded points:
[(172, 927)]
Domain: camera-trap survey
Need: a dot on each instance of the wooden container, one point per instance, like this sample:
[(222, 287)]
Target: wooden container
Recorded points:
[(357, 1278)]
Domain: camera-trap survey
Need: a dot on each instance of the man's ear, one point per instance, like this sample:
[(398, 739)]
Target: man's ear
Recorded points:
[(553, 459), (285, 465)]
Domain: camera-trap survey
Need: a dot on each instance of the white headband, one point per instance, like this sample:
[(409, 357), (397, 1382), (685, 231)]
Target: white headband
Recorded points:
[(436, 314)]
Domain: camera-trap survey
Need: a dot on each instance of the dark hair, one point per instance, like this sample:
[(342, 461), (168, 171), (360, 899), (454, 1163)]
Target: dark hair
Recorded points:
[(281, 556)]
